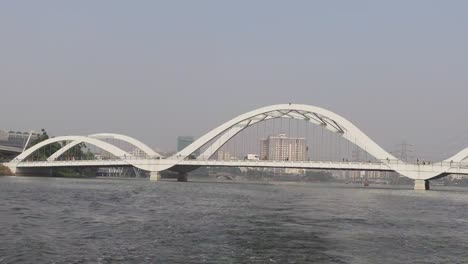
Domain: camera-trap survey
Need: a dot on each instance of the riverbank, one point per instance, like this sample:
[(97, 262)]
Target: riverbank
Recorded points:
[(5, 171)]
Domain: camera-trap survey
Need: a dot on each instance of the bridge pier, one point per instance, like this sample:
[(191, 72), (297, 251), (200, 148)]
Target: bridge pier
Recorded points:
[(182, 177), (421, 185), (155, 175)]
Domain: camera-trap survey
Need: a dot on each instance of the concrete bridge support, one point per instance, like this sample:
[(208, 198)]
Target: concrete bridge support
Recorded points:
[(155, 175), (421, 185), (182, 177)]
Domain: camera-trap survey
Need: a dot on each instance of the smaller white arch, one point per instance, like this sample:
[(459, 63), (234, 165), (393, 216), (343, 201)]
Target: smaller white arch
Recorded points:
[(99, 143), (80, 139), (135, 142), (64, 149)]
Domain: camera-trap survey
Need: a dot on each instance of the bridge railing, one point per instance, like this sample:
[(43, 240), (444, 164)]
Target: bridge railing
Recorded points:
[(394, 162), (390, 162)]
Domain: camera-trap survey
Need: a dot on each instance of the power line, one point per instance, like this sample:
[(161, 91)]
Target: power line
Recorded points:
[(404, 151)]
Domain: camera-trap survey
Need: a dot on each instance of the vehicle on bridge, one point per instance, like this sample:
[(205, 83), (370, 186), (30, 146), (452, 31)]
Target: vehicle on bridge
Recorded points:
[(252, 157)]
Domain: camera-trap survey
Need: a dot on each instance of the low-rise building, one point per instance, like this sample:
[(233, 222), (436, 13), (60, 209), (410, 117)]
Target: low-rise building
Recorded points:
[(15, 138)]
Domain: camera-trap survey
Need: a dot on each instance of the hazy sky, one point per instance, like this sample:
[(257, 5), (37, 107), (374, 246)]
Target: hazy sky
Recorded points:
[(158, 69)]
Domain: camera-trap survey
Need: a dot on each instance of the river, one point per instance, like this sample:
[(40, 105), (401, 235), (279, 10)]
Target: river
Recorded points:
[(57, 220)]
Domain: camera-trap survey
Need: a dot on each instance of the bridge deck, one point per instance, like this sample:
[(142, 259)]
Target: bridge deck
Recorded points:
[(212, 163), (358, 166)]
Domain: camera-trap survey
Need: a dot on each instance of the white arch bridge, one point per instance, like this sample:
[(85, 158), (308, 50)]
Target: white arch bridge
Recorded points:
[(201, 152)]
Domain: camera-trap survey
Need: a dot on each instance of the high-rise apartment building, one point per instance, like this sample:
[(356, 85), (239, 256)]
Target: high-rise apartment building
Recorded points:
[(185, 141), (282, 147)]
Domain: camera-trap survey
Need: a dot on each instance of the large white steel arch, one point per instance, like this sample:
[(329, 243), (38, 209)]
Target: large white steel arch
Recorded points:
[(316, 115), (75, 140), (313, 114), (135, 142)]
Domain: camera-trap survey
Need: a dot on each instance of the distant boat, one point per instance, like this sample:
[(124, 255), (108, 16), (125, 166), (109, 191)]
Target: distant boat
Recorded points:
[(366, 183)]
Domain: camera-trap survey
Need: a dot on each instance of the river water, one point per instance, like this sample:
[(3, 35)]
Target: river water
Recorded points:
[(56, 220)]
